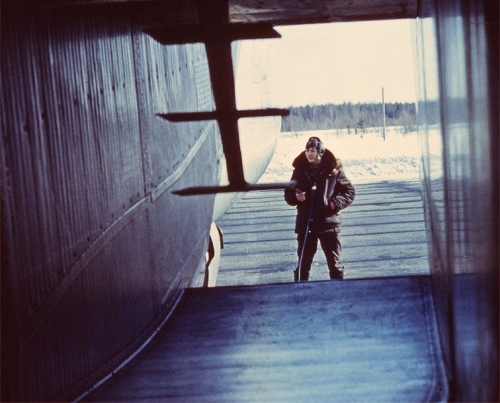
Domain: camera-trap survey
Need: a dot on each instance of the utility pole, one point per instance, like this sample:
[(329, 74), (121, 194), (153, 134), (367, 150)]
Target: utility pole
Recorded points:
[(383, 114)]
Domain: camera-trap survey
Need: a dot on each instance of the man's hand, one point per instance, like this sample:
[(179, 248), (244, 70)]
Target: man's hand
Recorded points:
[(300, 195)]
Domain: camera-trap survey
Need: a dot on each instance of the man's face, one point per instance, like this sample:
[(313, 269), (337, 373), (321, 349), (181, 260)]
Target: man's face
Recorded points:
[(312, 155)]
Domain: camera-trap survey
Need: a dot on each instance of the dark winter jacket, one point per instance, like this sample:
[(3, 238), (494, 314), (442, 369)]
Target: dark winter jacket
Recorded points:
[(331, 185)]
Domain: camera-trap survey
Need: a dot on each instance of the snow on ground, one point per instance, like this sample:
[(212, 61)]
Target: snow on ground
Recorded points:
[(366, 157)]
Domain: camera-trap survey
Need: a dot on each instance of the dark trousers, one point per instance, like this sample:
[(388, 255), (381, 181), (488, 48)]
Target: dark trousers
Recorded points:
[(330, 243)]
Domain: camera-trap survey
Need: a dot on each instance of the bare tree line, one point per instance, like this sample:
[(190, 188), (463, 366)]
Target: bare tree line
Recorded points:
[(353, 117)]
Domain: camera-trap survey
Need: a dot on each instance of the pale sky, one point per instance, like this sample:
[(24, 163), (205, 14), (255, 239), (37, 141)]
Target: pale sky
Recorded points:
[(342, 62)]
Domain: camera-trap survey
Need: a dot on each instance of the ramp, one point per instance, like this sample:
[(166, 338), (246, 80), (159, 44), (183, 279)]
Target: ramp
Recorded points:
[(332, 341)]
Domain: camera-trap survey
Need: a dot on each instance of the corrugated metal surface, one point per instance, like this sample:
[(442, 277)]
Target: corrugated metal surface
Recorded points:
[(91, 263), (458, 113), (311, 11)]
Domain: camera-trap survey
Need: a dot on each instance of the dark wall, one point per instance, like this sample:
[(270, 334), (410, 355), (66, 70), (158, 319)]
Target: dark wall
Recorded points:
[(457, 54), (95, 249)]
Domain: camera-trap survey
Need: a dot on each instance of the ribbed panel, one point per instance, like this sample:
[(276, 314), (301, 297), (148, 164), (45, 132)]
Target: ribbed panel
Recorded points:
[(92, 264), (457, 52)]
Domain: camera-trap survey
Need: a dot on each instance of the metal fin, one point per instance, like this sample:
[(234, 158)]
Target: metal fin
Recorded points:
[(217, 33), (203, 190), (216, 115), (228, 32)]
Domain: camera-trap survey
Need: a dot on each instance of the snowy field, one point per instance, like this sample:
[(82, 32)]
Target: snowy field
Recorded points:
[(366, 157)]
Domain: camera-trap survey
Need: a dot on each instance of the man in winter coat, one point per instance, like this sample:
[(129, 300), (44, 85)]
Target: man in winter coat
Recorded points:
[(321, 190)]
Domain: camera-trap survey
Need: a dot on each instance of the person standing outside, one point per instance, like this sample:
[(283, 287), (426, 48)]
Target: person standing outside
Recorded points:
[(320, 192)]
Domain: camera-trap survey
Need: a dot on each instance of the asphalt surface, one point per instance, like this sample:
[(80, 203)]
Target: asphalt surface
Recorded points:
[(383, 234)]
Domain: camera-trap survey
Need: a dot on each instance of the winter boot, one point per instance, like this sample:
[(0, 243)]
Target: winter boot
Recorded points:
[(337, 274)]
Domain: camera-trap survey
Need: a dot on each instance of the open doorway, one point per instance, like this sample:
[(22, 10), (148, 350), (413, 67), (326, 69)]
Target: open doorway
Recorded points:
[(352, 85)]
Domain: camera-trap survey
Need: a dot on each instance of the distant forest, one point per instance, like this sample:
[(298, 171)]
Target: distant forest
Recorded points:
[(353, 117)]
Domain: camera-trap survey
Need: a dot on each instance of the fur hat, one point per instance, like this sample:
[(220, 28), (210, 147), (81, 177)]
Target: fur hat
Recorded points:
[(315, 142)]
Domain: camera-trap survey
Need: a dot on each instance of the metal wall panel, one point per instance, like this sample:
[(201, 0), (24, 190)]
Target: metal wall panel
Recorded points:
[(457, 51), (95, 247)]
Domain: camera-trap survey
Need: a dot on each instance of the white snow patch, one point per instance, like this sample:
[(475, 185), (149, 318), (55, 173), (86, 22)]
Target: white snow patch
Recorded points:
[(366, 157)]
